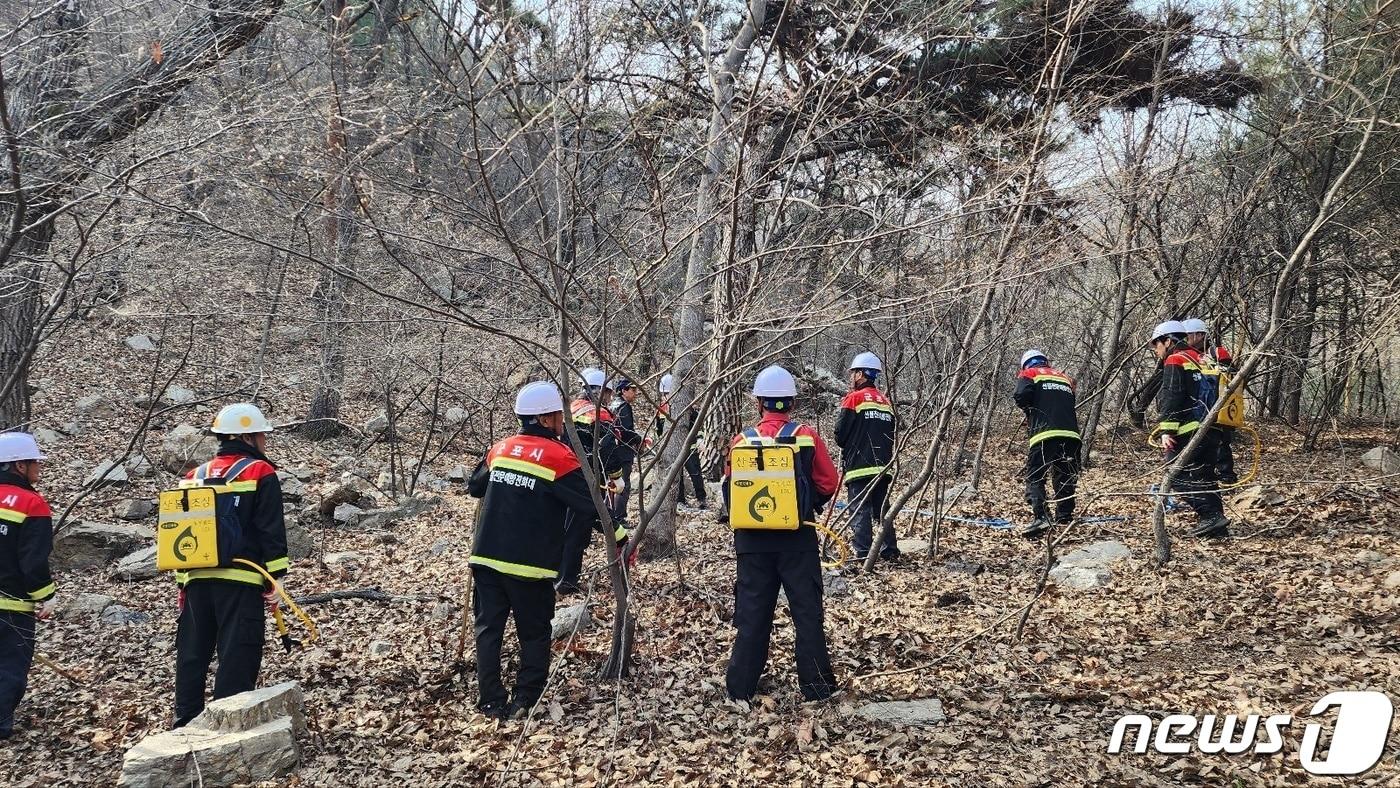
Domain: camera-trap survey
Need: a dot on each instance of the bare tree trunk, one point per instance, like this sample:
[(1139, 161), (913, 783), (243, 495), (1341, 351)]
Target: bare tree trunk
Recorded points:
[(661, 533)]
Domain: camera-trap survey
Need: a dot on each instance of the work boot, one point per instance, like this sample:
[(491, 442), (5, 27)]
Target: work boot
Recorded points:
[(1036, 529), (495, 710), (1216, 526)]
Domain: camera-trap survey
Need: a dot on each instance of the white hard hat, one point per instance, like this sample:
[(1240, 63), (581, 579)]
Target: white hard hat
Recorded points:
[(866, 361), (593, 377), (774, 381), (1195, 325), (240, 418), (1030, 354), (538, 398), (1169, 327), (16, 446), (668, 383)]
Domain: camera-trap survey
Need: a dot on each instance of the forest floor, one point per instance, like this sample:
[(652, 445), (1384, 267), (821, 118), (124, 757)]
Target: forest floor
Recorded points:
[(1302, 602)]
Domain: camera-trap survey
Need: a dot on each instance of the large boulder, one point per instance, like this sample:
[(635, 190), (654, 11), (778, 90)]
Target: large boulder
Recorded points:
[(245, 738), (79, 605), (136, 509), (107, 472), (185, 447), (92, 546), (140, 565), (1383, 459), (93, 404)]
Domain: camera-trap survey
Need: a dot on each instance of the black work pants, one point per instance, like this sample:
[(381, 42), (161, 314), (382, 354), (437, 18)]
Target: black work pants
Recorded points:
[(1198, 482), (16, 655), (868, 496), (755, 598), (496, 596), (578, 533), (224, 618), (1225, 457), (697, 480), (618, 508), (1058, 460)]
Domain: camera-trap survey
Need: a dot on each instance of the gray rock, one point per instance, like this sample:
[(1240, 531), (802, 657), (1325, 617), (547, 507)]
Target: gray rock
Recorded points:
[(138, 465), (1392, 580), (347, 513), (119, 616), (959, 492), (455, 415), (302, 473), (141, 342), (92, 546), (46, 437), (140, 565), (185, 447), (833, 584), (377, 424), (346, 559), (442, 611), (380, 648), (1080, 578), (292, 488), (1087, 567), (925, 711), (299, 540), (137, 509), (912, 546), (92, 404), (1371, 557), (107, 473), (458, 473), (178, 395), (244, 738), (82, 605), (71, 428), (255, 708), (1383, 459), (568, 620), (371, 519)]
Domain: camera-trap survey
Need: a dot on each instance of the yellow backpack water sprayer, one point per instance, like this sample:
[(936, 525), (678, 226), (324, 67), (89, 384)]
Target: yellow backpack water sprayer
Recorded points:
[(763, 482)]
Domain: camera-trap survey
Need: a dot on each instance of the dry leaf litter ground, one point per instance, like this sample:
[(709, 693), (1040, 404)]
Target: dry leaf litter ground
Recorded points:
[(1297, 606)]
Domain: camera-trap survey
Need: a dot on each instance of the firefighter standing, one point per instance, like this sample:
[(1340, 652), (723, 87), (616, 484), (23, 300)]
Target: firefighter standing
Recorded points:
[(1198, 337), (865, 433), (630, 443), (223, 609), (1187, 394), (26, 587), (692, 452), (529, 482), (1046, 395), (600, 451), (770, 559)]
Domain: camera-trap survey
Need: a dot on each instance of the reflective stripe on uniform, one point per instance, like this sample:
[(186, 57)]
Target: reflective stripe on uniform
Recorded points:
[(43, 592), (16, 605), (861, 473), (1186, 427), (874, 406), (279, 564), (236, 575), (519, 570), (524, 466), (1052, 379), (1040, 436), (1167, 426), (12, 515), (620, 533)]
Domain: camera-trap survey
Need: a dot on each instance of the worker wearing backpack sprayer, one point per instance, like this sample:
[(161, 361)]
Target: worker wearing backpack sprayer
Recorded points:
[(1047, 397), (530, 484), (865, 433), (777, 479), (1188, 393), (606, 459), (26, 587), (1198, 337), (222, 532)]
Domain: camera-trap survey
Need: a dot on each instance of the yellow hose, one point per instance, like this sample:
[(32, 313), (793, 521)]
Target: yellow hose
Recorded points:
[(293, 606), (1254, 462), (833, 539)]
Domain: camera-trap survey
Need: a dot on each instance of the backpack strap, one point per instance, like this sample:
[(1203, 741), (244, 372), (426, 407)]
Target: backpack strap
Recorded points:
[(237, 468), (788, 433), (202, 472), (754, 439)]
